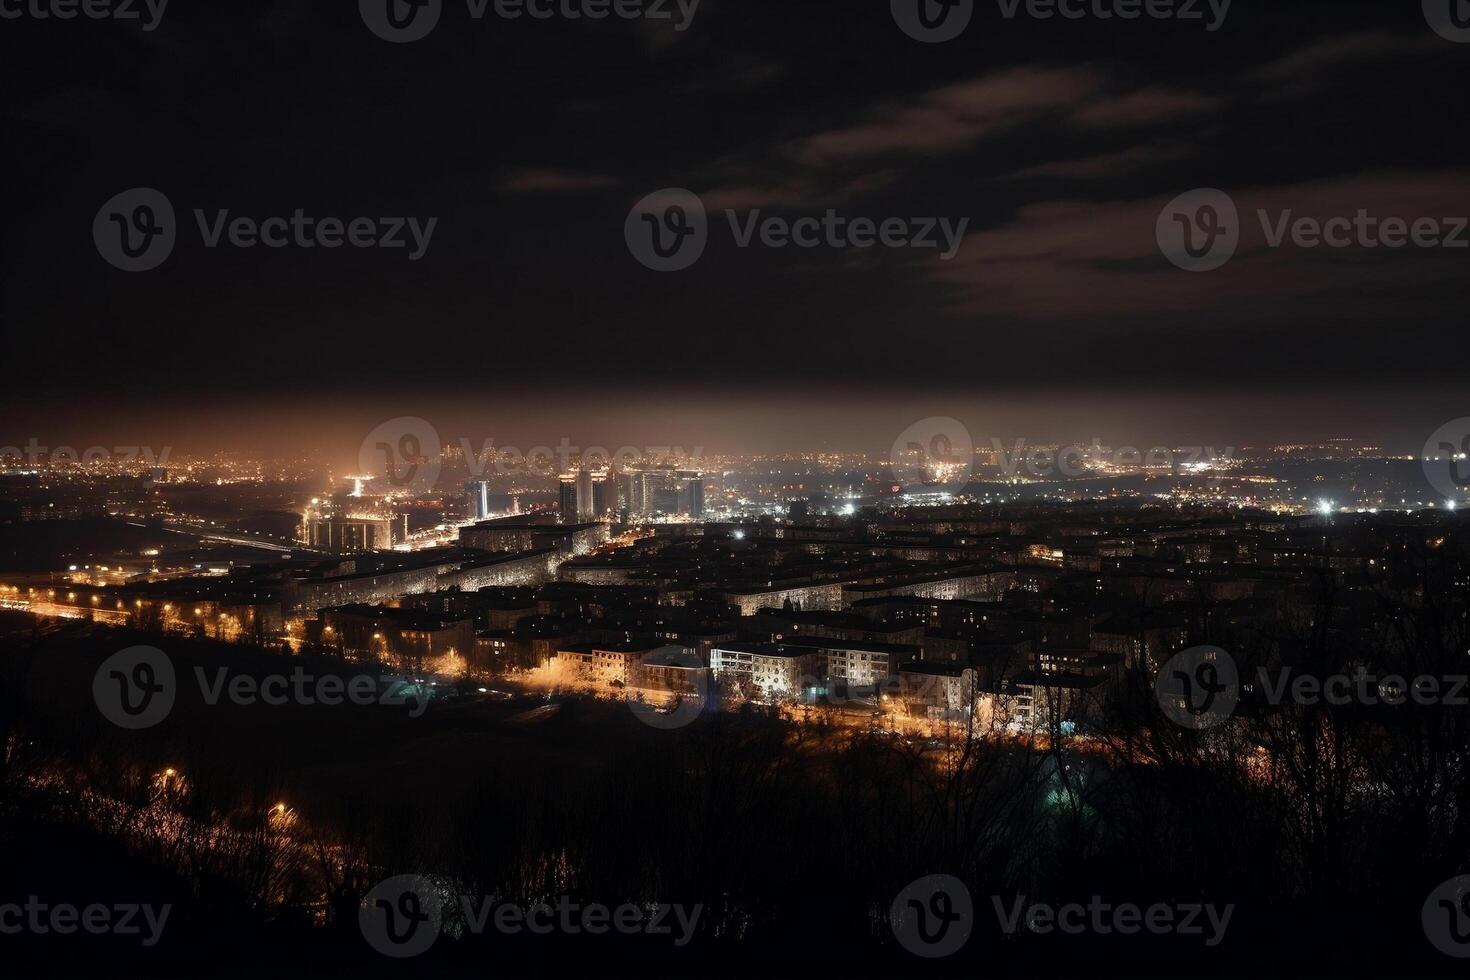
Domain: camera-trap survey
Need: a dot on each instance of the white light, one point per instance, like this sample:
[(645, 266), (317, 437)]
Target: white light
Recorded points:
[(1325, 508), (1450, 505)]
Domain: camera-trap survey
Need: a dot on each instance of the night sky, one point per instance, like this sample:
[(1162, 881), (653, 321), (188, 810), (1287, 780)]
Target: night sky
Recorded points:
[(528, 318)]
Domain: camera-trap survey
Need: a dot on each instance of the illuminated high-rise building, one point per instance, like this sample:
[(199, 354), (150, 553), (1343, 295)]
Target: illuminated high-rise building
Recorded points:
[(587, 496), (567, 498), (664, 493), (604, 496), (694, 488), (584, 495), (354, 532), (477, 493)]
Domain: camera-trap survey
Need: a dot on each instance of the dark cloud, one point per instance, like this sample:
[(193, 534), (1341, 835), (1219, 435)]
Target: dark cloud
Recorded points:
[(1095, 261), (554, 180), (952, 118)]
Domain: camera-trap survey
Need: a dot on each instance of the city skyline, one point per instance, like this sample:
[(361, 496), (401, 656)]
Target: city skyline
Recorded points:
[(625, 488)]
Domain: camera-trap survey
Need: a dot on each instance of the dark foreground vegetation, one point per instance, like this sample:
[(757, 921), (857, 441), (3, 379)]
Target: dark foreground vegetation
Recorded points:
[(1325, 826)]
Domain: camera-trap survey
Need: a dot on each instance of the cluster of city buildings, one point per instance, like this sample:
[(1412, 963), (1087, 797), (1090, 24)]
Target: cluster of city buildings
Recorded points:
[(632, 495), (1018, 615)]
